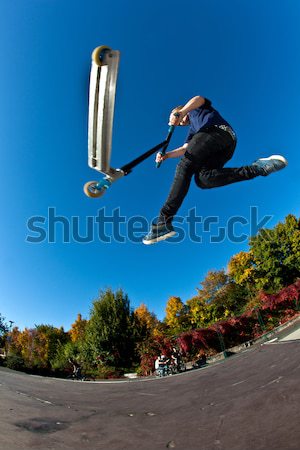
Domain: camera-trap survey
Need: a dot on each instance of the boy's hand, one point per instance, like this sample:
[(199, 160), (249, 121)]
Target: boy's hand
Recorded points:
[(160, 158), (175, 118)]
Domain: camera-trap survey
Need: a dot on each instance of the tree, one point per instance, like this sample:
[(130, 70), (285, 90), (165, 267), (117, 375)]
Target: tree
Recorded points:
[(212, 285), (218, 298), (148, 319), (66, 354), (276, 255), (241, 268), (230, 301), (37, 346), (176, 315), (46, 341), (109, 332), (78, 328), (3, 325), (145, 323), (3, 329), (199, 312)]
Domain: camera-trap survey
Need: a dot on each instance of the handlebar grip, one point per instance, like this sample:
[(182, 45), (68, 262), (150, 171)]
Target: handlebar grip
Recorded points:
[(159, 163), (163, 151)]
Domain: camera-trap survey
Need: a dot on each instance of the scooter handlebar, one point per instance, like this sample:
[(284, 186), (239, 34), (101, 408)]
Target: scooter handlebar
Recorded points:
[(168, 138)]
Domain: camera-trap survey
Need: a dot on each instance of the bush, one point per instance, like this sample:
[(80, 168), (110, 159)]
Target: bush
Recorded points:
[(108, 372), (15, 362)]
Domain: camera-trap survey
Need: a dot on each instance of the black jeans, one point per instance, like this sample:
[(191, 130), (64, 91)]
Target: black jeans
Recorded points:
[(205, 157)]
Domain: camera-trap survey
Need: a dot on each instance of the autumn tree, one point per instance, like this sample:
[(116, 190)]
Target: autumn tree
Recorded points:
[(199, 313), (37, 346), (77, 331), (145, 322), (46, 340), (22, 345), (176, 315), (241, 268)]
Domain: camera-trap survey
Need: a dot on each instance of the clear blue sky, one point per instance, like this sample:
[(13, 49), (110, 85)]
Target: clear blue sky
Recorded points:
[(242, 55)]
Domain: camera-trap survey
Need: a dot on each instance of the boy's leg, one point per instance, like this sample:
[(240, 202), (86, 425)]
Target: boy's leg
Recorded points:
[(163, 229), (211, 171), (209, 178), (199, 150), (204, 149), (182, 180)]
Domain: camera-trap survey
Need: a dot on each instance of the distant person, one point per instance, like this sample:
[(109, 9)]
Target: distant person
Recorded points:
[(156, 364), (76, 374), (210, 144), (161, 365), (200, 360), (175, 357)]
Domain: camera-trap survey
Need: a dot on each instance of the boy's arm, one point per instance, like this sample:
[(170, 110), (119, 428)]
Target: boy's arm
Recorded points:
[(193, 103), (177, 115), (177, 152), (172, 154)]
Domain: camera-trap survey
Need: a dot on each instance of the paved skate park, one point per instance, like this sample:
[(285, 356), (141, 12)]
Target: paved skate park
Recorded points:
[(248, 401)]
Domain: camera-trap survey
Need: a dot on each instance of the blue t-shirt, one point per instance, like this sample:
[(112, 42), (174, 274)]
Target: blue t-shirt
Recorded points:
[(202, 117)]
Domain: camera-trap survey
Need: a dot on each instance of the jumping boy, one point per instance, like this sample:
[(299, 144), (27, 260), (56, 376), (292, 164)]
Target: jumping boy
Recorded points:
[(210, 143)]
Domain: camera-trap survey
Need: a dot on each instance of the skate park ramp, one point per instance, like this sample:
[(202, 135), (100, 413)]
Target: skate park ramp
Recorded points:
[(291, 334), (249, 401)]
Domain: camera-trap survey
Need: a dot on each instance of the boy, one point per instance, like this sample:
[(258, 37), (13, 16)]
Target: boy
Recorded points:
[(210, 143)]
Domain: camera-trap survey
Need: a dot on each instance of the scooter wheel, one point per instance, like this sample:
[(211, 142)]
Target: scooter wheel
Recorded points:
[(98, 54), (91, 191)]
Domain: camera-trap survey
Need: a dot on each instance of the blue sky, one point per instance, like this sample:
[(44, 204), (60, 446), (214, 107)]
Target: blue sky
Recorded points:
[(242, 55)]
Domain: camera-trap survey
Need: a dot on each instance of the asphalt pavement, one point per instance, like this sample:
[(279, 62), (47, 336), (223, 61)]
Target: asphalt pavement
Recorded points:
[(249, 401)]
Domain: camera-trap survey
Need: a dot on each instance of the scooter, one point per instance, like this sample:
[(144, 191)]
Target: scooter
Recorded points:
[(102, 91)]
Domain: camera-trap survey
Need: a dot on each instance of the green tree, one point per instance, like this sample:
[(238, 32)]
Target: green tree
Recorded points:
[(212, 284), (218, 298), (110, 331), (66, 354), (276, 255), (72, 350), (3, 330)]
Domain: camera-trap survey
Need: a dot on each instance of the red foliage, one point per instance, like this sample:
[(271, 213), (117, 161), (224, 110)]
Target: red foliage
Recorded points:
[(283, 299), (274, 309), (288, 315), (185, 341), (236, 330), (156, 346), (192, 341)]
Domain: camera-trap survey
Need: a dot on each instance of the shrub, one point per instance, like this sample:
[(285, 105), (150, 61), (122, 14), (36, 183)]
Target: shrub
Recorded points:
[(15, 362)]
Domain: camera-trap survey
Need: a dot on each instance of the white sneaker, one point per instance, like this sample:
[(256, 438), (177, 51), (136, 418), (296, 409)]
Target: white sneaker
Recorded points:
[(273, 163)]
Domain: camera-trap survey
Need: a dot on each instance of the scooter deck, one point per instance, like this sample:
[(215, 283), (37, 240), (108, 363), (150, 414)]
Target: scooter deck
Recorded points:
[(102, 91)]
